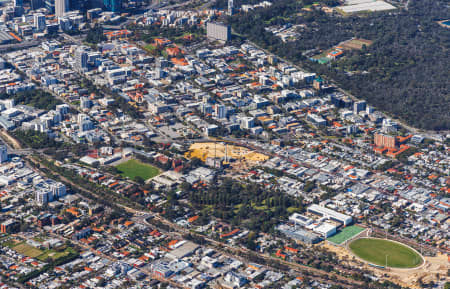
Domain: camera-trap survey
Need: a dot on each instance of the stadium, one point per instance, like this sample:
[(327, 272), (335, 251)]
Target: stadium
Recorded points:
[(376, 252), (383, 253)]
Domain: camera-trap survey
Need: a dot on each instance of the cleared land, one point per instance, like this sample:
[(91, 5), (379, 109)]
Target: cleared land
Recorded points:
[(365, 5), (209, 150), (375, 251), (355, 44), (345, 234), (135, 168)]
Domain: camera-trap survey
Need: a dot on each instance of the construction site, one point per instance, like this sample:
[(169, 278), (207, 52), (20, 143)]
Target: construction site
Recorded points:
[(230, 154)]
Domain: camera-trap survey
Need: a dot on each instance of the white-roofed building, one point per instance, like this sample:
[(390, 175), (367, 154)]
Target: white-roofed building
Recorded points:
[(331, 214)]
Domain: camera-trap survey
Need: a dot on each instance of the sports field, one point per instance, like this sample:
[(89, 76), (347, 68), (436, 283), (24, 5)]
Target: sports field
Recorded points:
[(376, 251), (134, 168), (55, 255), (27, 250), (345, 234)]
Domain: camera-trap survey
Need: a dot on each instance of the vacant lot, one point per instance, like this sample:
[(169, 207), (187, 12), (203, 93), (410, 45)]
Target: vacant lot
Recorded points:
[(376, 251), (204, 150), (135, 168)]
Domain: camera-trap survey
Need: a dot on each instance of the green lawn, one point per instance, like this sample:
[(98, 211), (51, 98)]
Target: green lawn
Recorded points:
[(33, 252), (345, 234), (375, 251), (134, 168), (150, 47), (54, 255)]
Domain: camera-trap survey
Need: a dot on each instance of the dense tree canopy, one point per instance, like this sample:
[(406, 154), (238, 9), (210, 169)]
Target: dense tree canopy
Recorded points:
[(404, 71), (249, 204), (36, 98)]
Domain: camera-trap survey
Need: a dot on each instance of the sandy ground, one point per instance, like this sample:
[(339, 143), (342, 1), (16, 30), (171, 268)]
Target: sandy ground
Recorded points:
[(433, 268), (10, 139), (209, 149)]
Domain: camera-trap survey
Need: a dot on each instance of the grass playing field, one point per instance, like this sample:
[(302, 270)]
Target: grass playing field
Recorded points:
[(54, 255), (345, 234), (375, 251), (27, 250), (134, 168)]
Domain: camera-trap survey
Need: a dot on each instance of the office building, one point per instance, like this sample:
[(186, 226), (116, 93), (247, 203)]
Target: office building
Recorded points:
[(82, 117), (218, 31), (9, 226), (9, 103), (50, 6), (80, 5), (315, 119), (85, 103), (113, 5), (93, 13), (86, 125), (221, 111), (359, 106), (81, 59), (247, 122), (63, 109), (64, 23), (230, 7), (382, 140), (389, 126), (39, 22), (52, 28), (3, 154), (58, 190), (61, 7), (36, 4), (18, 7), (206, 108), (43, 197)]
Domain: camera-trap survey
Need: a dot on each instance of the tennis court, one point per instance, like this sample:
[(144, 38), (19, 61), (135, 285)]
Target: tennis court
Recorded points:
[(345, 234)]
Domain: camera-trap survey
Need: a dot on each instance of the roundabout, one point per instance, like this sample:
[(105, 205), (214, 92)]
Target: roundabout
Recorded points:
[(385, 253)]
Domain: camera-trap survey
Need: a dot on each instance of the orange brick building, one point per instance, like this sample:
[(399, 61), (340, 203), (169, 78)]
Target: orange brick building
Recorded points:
[(382, 140)]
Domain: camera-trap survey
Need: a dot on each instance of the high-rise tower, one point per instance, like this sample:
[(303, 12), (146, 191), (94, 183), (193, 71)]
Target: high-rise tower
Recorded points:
[(113, 5), (230, 7), (61, 7)]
